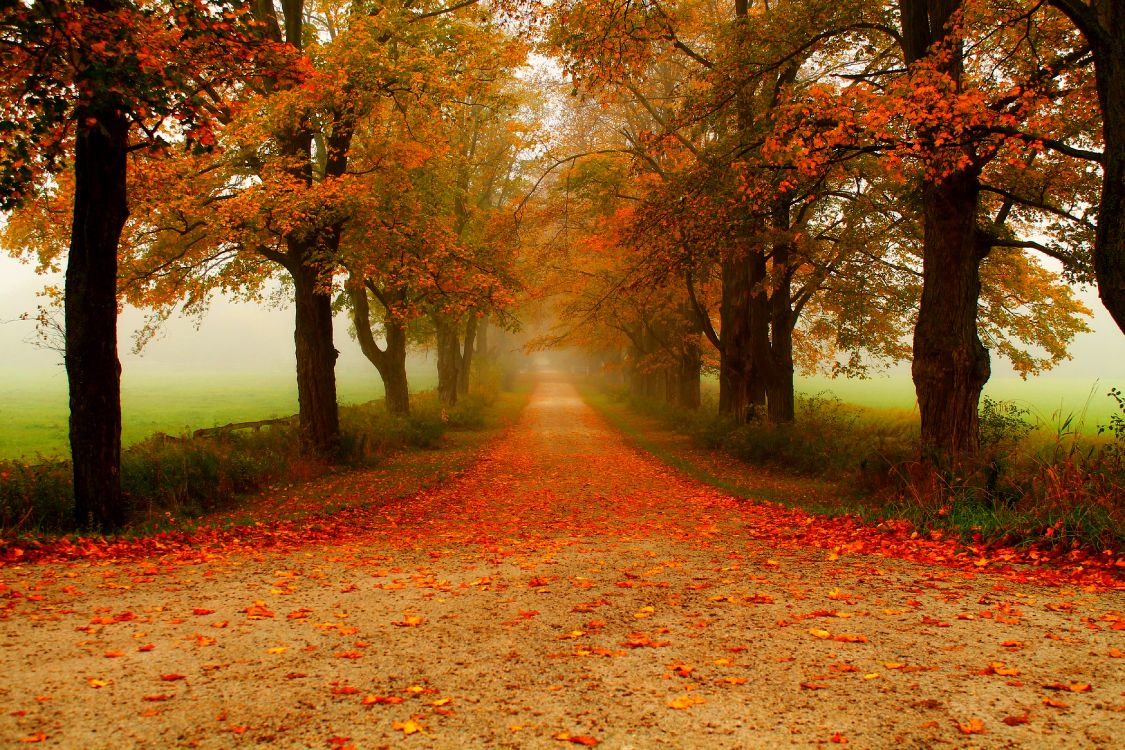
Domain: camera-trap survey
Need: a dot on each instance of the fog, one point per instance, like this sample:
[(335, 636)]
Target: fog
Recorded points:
[(254, 339)]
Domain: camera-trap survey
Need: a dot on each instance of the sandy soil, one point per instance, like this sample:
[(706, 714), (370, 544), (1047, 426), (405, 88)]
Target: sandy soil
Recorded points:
[(568, 590)]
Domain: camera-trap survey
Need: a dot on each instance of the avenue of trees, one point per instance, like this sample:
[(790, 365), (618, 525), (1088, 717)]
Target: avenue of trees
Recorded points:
[(745, 188)]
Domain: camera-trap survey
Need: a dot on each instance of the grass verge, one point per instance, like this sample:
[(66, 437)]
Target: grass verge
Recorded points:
[(1057, 488), (179, 484)]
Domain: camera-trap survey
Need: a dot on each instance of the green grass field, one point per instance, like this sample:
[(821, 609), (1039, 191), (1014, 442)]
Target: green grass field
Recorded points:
[(33, 404), (1049, 401)]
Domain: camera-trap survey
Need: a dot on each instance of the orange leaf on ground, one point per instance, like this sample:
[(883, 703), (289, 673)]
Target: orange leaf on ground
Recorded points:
[(1014, 721), (686, 701), (850, 638), (258, 611), (37, 737), (577, 739), (409, 621), (972, 726), (372, 700), (407, 727), (172, 677)]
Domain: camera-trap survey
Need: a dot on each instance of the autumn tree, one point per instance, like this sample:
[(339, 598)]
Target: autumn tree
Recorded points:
[(85, 84), (1102, 24)]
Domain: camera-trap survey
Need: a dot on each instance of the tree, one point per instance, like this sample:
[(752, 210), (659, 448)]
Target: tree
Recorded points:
[(88, 82), (1102, 23)]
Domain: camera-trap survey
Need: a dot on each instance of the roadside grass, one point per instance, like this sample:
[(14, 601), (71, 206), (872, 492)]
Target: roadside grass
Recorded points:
[(241, 478), (34, 409), (1051, 484)]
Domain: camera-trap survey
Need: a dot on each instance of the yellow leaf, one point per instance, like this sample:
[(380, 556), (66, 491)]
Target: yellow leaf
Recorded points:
[(277, 650), (407, 727), (686, 701), (97, 683), (818, 633)]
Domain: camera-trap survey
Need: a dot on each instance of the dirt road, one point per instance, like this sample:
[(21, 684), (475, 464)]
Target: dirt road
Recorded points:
[(566, 591)]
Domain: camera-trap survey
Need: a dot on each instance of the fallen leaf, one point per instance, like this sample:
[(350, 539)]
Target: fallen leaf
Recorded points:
[(407, 727), (577, 739), (686, 701), (973, 726), (390, 700)]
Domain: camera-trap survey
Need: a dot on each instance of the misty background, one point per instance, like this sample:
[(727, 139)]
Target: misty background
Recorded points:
[(237, 363)]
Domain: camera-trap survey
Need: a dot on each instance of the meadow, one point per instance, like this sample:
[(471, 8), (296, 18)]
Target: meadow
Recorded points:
[(1049, 401), (33, 402)]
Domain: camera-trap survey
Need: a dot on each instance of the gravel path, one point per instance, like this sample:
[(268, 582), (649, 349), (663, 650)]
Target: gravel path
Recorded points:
[(566, 591)]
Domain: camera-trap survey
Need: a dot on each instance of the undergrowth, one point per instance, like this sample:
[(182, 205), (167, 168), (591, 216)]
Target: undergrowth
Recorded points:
[(1030, 482), (187, 477)]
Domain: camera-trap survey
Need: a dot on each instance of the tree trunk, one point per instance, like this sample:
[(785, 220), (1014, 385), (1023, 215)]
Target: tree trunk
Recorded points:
[(950, 364), (448, 362), (396, 387), (779, 393), (734, 356), (1103, 26), (319, 418), (1109, 248), (465, 366), (90, 310), (389, 362)]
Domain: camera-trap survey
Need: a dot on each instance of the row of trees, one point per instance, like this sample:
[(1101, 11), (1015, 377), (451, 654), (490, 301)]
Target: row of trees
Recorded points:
[(755, 186), (800, 183), (363, 152)]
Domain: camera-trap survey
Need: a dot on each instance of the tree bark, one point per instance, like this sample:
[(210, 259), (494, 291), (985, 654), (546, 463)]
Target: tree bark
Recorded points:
[(950, 364), (90, 310), (779, 391), (318, 418), (390, 362), (735, 374), (1103, 26), (448, 361)]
